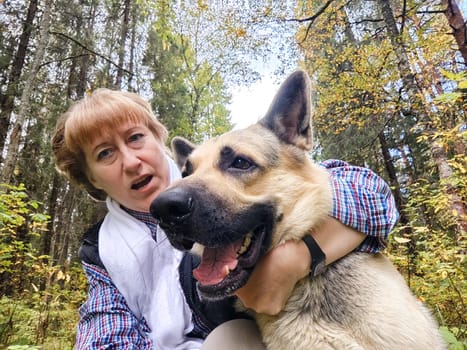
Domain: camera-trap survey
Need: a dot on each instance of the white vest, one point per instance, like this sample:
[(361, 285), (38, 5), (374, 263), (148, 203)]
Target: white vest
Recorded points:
[(146, 273)]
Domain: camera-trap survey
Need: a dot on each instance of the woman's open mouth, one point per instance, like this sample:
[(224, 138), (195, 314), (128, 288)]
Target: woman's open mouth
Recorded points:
[(142, 183)]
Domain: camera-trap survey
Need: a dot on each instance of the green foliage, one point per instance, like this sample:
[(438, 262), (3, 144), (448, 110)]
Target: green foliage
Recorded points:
[(451, 338), (433, 266), (190, 95), (20, 224), (47, 321), (14, 207), (39, 301), (429, 247), (460, 93)]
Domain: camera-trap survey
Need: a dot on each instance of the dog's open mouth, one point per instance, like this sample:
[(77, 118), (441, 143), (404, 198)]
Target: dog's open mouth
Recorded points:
[(225, 269)]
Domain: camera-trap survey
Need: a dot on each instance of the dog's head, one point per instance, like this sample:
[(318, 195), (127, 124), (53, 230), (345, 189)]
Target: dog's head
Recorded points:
[(246, 191)]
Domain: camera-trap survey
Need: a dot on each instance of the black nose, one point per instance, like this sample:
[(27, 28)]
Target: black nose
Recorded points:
[(172, 206)]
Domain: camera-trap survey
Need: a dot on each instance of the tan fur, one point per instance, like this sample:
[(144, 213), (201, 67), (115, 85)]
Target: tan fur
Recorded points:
[(290, 184), (389, 317), (361, 301), (384, 313)]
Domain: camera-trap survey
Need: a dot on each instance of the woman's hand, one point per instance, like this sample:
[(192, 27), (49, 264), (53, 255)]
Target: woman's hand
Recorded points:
[(274, 278)]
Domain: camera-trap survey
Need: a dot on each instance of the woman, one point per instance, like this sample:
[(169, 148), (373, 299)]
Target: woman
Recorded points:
[(141, 291)]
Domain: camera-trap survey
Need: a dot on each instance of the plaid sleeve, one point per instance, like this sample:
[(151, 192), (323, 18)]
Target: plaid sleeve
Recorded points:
[(106, 321), (363, 201)]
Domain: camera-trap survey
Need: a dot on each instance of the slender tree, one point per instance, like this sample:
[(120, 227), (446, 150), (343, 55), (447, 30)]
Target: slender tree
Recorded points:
[(125, 25), (7, 99)]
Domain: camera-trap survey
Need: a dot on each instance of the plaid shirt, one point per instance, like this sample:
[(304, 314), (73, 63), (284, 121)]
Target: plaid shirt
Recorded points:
[(362, 200), (106, 320)]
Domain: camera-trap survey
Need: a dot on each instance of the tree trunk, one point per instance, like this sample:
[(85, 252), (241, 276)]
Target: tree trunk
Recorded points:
[(458, 25), (21, 116), (47, 237), (77, 79), (7, 100), (123, 38), (61, 234), (456, 203), (132, 48), (408, 78), (391, 171)]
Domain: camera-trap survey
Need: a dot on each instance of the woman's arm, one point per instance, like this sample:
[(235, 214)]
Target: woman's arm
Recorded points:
[(335, 240), (105, 318)]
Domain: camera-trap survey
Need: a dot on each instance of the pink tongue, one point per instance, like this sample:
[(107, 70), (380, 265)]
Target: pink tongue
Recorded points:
[(216, 263)]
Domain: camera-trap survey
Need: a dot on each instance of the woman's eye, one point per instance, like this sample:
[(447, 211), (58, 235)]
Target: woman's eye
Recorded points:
[(136, 137), (241, 163), (104, 154)]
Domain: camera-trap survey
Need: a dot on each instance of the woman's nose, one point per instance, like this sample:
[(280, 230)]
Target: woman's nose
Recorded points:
[(130, 160)]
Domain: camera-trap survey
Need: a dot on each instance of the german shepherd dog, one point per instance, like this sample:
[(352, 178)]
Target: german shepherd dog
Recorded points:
[(248, 190)]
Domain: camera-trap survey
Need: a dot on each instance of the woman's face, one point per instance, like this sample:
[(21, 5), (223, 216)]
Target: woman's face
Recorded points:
[(129, 165)]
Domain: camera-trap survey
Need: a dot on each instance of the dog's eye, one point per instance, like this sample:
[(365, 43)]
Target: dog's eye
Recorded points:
[(241, 163)]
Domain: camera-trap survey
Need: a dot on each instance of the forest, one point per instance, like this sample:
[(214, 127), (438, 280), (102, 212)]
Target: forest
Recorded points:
[(389, 93)]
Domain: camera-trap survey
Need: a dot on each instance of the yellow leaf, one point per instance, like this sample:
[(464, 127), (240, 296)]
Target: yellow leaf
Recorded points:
[(463, 84), (401, 240)]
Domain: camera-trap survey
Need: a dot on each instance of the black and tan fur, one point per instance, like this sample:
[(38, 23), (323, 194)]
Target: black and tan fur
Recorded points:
[(260, 181)]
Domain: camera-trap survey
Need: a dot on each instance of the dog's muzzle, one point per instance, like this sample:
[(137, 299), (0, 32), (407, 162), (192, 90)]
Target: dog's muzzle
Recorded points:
[(234, 237), (173, 209)]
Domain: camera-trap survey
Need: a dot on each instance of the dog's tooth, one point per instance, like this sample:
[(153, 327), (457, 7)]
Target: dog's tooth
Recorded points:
[(246, 244), (247, 241)]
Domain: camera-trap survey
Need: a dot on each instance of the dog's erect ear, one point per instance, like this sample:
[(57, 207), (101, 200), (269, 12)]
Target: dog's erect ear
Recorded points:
[(181, 149), (289, 115)]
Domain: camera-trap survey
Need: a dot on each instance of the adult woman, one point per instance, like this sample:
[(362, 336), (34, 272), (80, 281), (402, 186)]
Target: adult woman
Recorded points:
[(141, 292)]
